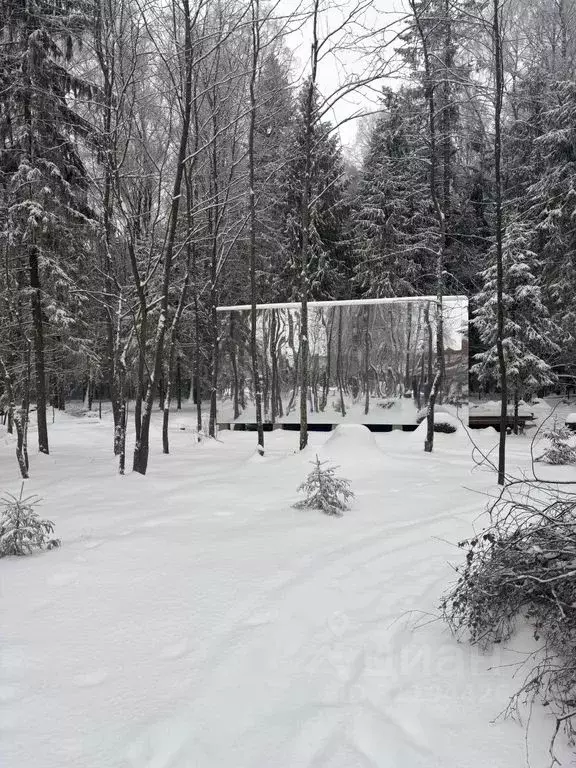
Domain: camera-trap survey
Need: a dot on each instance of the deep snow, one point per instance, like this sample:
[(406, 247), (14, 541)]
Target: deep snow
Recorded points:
[(194, 619)]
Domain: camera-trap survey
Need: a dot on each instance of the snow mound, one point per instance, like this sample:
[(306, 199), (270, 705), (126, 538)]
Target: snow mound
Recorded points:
[(351, 444), (460, 442), (440, 417), (571, 418), (423, 412), (351, 435)]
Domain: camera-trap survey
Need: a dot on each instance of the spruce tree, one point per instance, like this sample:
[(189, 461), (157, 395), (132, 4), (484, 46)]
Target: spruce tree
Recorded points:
[(22, 531), (328, 253), (324, 490), (551, 208), (529, 334), (561, 448), (392, 212), (43, 180), (273, 140)]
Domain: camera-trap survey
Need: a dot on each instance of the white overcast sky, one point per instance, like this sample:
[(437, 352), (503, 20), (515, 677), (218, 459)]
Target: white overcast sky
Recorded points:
[(333, 71)]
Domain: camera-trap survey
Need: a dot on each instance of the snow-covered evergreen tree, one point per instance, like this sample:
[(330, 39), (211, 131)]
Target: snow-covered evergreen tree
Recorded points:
[(551, 203), (273, 145), (44, 182), (541, 160), (21, 529), (328, 252), (562, 449), (529, 334), (392, 210), (324, 490), (436, 47)]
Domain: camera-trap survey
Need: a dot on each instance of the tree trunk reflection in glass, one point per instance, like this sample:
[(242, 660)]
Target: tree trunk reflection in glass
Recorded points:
[(370, 362)]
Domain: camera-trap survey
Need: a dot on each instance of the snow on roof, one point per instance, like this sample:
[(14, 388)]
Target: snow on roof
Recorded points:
[(461, 300)]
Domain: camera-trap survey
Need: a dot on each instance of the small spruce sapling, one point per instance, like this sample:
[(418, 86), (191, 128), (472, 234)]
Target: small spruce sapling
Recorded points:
[(324, 490), (560, 450), (21, 530)]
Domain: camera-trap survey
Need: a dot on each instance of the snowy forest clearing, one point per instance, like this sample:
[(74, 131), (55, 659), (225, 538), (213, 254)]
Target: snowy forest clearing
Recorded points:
[(192, 617), (161, 163)]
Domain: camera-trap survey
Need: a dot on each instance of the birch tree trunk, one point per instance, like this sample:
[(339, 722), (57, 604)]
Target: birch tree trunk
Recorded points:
[(174, 327), (110, 372), (142, 447), (255, 8), (310, 118), (339, 364), (274, 358), (499, 235), (429, 91), (367, 362)]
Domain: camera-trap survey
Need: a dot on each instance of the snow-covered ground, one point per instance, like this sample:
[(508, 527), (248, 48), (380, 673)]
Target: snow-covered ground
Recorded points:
[(194, 619)]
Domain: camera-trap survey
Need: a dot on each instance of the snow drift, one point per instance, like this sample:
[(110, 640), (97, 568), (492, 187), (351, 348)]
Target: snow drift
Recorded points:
[(351, 444)]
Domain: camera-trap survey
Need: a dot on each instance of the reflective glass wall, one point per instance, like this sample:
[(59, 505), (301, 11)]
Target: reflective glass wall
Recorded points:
[(370, 362)]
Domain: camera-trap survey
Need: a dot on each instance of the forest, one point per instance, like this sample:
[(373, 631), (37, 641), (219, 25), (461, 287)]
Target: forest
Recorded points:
[(287, 376), (161, 160)]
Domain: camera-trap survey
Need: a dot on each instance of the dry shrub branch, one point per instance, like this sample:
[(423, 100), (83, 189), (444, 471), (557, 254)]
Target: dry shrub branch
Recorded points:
[(522, 567)]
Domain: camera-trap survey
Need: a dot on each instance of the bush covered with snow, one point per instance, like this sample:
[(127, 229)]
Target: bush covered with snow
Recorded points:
[(21, 529), (325, 491), (522, 567), (561, 449), (444, 426), (443, 422), (439, 414)]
